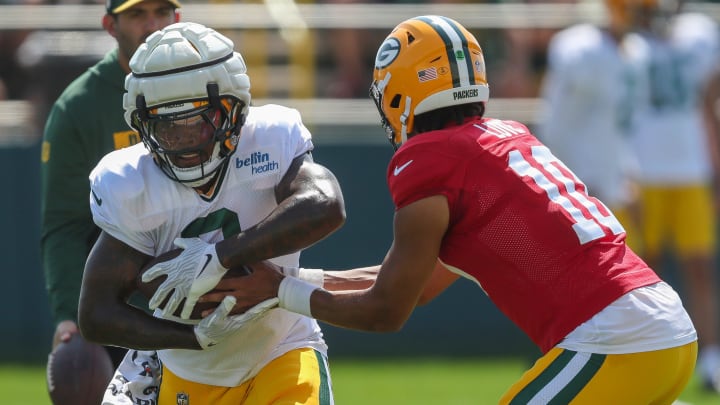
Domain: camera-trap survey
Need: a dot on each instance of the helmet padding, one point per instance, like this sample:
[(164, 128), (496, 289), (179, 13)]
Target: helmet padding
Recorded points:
[(183, 70), (176, 64)]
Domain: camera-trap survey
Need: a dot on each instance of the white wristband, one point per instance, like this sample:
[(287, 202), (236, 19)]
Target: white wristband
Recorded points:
[(294, 295), (313, 276)]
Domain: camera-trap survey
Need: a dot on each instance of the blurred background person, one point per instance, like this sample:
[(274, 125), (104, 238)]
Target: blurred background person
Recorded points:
[(85, 123), (352, 51), (350, 54), (521, 56), (675, 129), (585, 118), (13, 78)]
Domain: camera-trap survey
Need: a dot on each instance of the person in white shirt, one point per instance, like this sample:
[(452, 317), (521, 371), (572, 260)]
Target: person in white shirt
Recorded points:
[(675, 127), (587, 94)]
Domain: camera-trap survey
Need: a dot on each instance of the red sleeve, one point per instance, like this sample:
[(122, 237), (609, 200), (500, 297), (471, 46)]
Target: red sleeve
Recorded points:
[(420, 170)]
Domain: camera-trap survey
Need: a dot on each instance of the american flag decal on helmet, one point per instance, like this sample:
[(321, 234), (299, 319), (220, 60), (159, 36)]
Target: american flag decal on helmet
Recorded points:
[(427, 74), (458, 53)]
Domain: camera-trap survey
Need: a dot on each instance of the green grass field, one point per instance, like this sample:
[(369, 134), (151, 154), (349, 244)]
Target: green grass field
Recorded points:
[(362, 382)]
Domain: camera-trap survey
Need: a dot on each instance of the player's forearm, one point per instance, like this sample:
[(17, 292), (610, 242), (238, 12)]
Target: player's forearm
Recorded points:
[(310, 207), (294, 225), (132, 328), (63, 257), (355, 279), (357, 310), (105, 317), (62, 293), (367, 310)]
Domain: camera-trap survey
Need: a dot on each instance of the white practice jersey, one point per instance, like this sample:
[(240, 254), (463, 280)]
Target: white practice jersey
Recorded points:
[(669, 134), (586, 110), (136, 203)]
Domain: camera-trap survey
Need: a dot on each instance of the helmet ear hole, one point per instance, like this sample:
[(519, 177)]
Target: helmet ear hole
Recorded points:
[(395, 102)]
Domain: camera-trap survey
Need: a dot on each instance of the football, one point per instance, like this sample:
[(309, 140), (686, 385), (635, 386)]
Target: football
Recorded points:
[(78, 372), (149, 288)]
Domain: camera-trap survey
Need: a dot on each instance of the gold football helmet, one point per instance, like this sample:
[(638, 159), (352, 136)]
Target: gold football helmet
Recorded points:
[(426, 63), (620, 12), (629, 14)]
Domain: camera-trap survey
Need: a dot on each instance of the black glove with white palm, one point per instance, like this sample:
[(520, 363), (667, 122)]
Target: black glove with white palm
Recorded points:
[(191, 274)]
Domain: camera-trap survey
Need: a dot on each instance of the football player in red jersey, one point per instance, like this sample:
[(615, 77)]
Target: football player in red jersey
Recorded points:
[(483, 199)]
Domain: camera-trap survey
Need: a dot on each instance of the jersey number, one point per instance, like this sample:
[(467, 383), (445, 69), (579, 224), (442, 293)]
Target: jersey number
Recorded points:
[(669, 87), (567, 197), (222, 219)]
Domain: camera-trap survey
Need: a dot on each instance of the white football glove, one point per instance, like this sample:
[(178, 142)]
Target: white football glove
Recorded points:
[(216, 326), (191, 274)]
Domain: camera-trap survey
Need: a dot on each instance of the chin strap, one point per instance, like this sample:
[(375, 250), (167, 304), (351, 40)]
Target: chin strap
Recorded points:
[(404, 119)]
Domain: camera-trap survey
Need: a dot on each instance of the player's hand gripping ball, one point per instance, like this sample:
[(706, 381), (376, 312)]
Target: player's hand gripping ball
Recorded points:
[(78, 372), (149, 288)]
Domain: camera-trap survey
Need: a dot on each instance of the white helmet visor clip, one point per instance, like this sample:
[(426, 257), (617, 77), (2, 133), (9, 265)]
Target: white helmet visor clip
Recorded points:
[(377, 90)]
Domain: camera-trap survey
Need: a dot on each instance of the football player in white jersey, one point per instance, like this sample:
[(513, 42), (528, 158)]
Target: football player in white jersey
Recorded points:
[(675, 129), (586, 111), (218, 176)]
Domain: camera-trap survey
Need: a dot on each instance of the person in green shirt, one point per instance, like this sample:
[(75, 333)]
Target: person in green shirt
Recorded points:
[(85, 123)]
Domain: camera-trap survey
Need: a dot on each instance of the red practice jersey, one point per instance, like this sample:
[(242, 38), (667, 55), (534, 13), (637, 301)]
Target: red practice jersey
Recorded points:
[(522, 225)]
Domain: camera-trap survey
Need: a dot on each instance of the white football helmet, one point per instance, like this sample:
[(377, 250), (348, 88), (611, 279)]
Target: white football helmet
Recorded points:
[(188, 76)]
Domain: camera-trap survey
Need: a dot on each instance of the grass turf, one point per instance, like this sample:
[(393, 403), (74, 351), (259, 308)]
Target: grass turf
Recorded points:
[(374, 381)]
